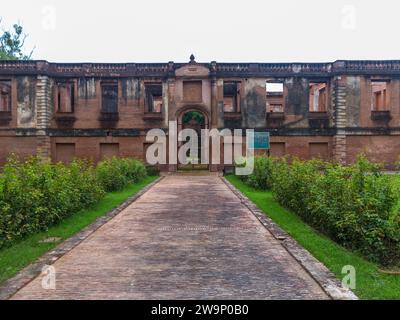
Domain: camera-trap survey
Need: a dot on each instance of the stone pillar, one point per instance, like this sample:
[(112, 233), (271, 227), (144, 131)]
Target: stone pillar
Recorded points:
[(170, 116), (339, 140), (214, 104), (43, 116)]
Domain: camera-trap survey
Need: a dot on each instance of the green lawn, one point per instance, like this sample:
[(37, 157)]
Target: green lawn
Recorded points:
[(18, 256), (371, 284)]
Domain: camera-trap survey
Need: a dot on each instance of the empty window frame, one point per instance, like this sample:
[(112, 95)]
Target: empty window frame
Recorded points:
[(318, 97), (5, 96), (65, 97), (231, 96), (109, 97), (380, 95), (154, 99), (274, 92)]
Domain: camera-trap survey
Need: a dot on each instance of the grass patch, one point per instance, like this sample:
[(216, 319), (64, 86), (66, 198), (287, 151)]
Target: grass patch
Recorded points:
[(21, 254), (371, 284)]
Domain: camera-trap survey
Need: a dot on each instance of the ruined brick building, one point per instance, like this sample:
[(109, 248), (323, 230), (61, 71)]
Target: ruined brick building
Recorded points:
[(93, 110)]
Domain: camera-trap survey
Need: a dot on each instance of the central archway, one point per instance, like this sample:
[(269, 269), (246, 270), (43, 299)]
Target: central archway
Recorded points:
[(195, 119)]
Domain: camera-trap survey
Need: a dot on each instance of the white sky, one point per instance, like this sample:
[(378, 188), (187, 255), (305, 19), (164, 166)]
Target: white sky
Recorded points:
[(225, 31)]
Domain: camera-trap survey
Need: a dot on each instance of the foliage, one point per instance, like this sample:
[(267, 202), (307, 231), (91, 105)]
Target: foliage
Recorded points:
[(116, 173), (261, 177), (17, 256), (35, 195), (354, 205), (371, 283), (152, 171), (193, 115), (12, 44)]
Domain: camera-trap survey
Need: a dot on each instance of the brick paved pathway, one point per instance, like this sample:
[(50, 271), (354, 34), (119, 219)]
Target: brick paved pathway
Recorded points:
[(187, 237)]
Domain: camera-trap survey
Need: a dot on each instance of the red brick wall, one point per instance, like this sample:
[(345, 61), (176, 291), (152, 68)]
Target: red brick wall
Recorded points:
[(22, 146), (90, 147), (384, 149)]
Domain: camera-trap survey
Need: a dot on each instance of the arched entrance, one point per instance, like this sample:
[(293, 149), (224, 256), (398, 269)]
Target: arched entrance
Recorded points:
[(195, 119)]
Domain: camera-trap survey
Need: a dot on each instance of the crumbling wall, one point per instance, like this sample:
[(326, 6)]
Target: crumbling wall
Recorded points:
[(297, 102), (87, 88), (26, 99), (131, 88), (253, 105), (297, 99), (353, 101)]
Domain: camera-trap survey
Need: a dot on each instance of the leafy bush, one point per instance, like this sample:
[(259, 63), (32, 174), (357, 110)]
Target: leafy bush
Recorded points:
[(354, 205), (152, 171), (261, 176), (116, 173), (35, 195)]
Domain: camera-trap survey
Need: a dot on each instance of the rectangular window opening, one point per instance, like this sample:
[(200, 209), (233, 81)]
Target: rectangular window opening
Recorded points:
[(109, 95), (154, 98), (380, 96), (65, 97), (5, 96), (231, 96), (318, 97), (274, 92)]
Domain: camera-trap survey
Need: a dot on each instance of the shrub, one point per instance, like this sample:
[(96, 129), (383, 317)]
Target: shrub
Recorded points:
[(261, 176), (35, 195), (354, 205), (116, 173), (152, 171)]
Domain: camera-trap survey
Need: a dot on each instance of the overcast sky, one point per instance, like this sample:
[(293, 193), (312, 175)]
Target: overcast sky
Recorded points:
[(225, 31)]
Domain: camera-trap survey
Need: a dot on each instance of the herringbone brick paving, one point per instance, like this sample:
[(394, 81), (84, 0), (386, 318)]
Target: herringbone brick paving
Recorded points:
[(188, 237)]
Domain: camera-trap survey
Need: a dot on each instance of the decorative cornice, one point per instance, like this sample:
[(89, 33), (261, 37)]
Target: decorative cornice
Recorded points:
[(164, 70)]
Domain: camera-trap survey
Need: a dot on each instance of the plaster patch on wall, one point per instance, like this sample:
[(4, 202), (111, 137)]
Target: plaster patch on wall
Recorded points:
[(131, 88), (87, 88), (26, 98), (353, 101), (253, 108), (298, 96)]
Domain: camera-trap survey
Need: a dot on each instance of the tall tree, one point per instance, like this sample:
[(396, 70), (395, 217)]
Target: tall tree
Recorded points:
[(12, 43)]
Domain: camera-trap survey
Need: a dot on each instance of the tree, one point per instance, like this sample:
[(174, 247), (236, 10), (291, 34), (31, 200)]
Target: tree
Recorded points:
[(12, 44)]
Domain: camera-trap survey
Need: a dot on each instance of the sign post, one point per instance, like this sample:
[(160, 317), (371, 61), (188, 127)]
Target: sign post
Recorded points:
[(259, 141)]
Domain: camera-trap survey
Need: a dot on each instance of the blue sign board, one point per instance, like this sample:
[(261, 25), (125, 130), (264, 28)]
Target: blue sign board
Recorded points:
[(258, 140)]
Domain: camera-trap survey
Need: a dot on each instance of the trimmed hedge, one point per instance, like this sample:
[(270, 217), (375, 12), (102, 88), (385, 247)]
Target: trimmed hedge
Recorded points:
[(353, 205), (35, 195), (261, 178), (116, 173)]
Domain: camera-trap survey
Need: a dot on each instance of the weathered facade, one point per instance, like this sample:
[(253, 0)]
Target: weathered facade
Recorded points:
[(330, 110)]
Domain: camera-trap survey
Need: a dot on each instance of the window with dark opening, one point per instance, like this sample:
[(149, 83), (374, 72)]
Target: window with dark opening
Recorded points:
[(65, 97), (231, 96), (380, 95), (5, 96), (154, 99), (274, 97), (318, 97), (109, 95)]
